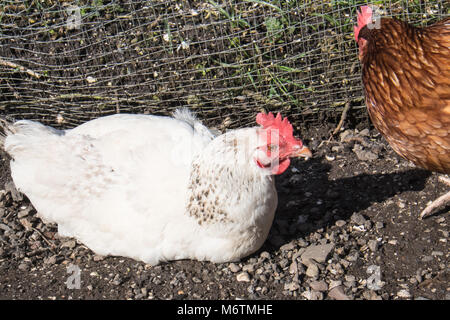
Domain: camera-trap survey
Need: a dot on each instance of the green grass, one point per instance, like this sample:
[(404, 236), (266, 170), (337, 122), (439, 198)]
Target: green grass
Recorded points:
[(233, 15)]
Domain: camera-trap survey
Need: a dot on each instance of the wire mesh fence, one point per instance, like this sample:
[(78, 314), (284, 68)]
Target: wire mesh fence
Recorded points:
[(64, 63)]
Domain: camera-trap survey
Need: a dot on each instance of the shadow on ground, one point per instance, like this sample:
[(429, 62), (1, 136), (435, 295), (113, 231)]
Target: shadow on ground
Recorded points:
[(309, 199)]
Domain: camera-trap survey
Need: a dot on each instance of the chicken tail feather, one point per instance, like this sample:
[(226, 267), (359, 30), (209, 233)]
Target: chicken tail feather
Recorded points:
[(24, 135)]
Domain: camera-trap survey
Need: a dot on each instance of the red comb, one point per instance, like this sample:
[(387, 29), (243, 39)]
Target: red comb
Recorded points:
[(364, 17), (268, 121)]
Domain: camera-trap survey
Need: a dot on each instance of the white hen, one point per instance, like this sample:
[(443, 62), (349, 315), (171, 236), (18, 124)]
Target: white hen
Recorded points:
[(155, 188)]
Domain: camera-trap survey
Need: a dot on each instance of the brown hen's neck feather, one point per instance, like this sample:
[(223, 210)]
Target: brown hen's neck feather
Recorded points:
[(403, 36), (392, 33)]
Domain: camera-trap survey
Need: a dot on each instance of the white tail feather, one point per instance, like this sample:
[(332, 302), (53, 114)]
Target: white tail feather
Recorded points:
[(24, 134)]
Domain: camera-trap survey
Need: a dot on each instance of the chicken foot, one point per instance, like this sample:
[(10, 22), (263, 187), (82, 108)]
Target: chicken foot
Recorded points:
[(442, 200)]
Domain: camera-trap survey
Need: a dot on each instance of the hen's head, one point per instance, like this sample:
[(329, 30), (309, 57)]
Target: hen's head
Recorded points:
[(277, 143), (365, 18)]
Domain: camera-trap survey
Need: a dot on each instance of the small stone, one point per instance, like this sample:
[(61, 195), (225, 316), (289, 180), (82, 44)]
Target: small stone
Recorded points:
[(334, 283), (90, 287), (364, 132), (340, 223), (23, 213), (98, 257), (4, 227), (349, 284), (404, 294), (234, 267), (344, 263), (307, 294), (364, 155), (243, 277), (312, 271), (318, 253), (346, 135), (264, 290), (26, 224), (23, 267), (196, 280), (249, 267), (350, 278), (302, 243), (319, 285), (265, 255), (379, 225), (312, 295), (440, 220), (15, 194), (260, 270), (49, 235), (418, 278), (437, 253), (357, 218), (371, 295), (139, 296), (337, 149), (283, 263), (288, 246), (293, 268), (359, 228), (292, 286), (373, 245), (116, 281), (51, 260), (69, 244), (338, 293)]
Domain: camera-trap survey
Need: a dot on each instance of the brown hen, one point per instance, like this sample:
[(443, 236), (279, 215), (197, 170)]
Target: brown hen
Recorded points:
[(406, 77)]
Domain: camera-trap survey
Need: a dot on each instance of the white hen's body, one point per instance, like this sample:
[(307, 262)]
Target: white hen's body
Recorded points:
[(146, 187)]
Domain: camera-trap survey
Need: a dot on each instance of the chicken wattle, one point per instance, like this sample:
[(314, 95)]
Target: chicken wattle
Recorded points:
[(155, 188)]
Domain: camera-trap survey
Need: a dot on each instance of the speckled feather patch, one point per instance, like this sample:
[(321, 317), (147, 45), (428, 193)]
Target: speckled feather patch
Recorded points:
[(204, 201)]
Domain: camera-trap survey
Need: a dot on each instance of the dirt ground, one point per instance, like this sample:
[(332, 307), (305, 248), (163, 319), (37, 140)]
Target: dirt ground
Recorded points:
[(355, 198)]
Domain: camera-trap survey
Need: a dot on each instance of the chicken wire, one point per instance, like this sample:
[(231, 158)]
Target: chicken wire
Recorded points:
[(64, 63)]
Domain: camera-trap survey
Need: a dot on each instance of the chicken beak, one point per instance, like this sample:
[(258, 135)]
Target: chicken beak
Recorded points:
[(303, 152)]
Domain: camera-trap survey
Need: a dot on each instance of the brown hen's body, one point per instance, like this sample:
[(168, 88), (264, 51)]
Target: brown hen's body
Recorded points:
[(406, 76)]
